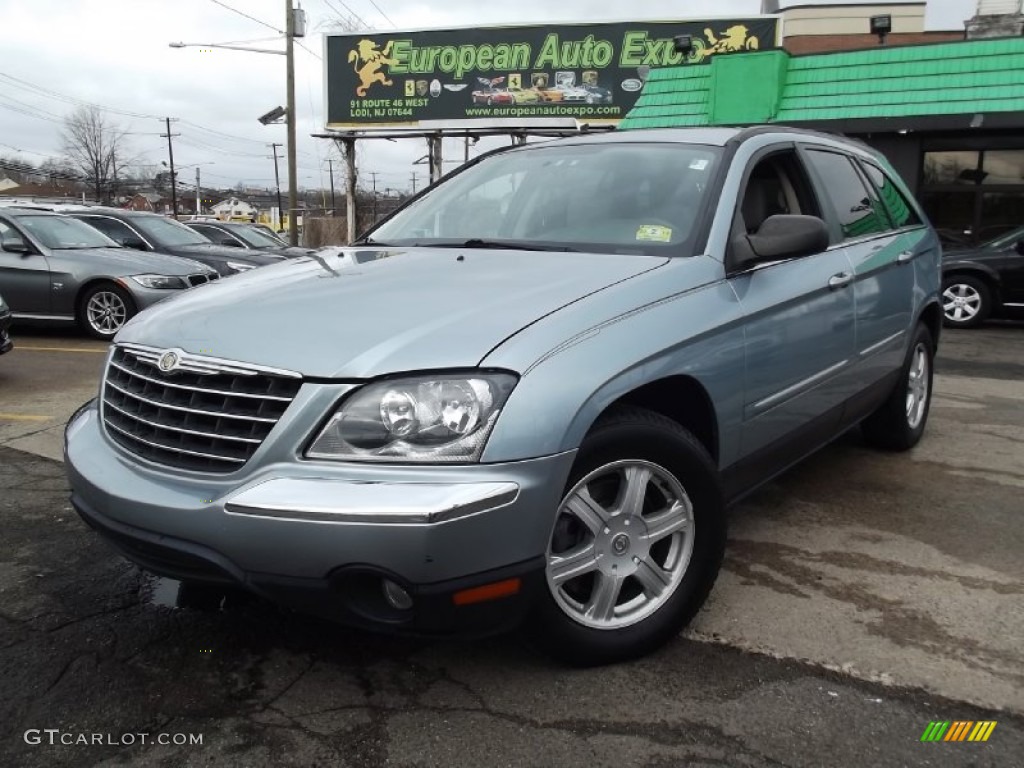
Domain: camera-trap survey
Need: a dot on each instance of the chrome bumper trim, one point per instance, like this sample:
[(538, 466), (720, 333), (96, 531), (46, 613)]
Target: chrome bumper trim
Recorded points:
[(322, 500)]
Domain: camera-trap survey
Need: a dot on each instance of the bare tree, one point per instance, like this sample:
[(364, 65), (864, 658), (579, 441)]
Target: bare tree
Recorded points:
[(96, 147)]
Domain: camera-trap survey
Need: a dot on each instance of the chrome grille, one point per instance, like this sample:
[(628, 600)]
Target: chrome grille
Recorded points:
[(206, 414)]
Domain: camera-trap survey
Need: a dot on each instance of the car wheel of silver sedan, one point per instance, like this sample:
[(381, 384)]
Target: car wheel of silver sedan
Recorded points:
[(636, 544), (104, 309)]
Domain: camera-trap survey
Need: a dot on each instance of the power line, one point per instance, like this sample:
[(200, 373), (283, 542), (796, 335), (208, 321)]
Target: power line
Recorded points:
[(246, 15), (353, 16), (381, 12)]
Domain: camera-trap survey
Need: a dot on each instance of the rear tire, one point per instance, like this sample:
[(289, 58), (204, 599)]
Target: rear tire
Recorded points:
[(899, 423), (104, 309), (637, 541)]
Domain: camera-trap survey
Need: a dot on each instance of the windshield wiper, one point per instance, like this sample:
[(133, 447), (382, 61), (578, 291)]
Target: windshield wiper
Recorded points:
[(510, 245), (371, 241)]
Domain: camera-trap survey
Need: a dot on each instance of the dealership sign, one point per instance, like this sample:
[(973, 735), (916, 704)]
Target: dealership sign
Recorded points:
[(587, 72)]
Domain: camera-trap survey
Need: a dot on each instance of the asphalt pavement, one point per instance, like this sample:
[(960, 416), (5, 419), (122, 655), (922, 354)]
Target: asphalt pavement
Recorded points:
[(863, 596)]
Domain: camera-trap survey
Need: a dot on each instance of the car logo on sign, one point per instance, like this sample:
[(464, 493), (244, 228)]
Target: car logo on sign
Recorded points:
[(168, 361), (633, 84)]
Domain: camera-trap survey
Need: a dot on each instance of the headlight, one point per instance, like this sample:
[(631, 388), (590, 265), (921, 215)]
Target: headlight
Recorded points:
[(160, 282), (442, 419), (238, 267)]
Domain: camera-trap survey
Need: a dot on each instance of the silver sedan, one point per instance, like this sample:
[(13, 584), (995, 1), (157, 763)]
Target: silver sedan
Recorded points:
[(55, 269)]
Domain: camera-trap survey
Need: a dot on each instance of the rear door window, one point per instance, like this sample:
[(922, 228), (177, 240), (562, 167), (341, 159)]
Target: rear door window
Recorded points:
[(857, 210), (902, 212)]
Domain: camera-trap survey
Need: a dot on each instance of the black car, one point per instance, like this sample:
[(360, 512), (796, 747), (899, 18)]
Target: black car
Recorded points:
[(5, 322), (234, 234), (153, 232), (983, 282)]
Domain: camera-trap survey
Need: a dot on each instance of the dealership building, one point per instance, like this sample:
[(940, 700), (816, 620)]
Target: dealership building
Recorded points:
[(949, 115)]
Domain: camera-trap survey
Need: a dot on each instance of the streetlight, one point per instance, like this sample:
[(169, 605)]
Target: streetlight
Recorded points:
[(295, 26)]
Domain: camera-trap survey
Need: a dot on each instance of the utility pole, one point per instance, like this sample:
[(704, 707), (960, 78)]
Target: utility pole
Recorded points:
[(374, 174), (351, 214), (330, 168), (174, 178), (277, 184), (414, 183), (199, 206), (293, 193)]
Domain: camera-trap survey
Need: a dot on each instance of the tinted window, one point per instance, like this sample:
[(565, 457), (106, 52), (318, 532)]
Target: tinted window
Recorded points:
[(902, 211), (850, 199), (167, 232), (253, 237), (112, 228)]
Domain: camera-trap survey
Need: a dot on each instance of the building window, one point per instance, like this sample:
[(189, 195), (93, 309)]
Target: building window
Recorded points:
[(950, 167), (973, 196)]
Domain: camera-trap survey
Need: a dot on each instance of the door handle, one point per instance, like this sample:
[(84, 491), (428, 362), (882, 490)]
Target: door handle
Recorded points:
[(841, 280), (904, 257)]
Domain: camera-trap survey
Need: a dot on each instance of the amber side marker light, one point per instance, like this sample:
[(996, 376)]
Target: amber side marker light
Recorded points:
[(487, 592)]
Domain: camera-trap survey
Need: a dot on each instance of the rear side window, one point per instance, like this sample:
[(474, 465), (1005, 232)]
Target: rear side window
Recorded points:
[(857, 215), (112, 228), (902, 211)]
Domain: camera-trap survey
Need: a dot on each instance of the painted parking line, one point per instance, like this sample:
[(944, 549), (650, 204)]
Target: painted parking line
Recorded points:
[(23, 417), (22, 348)]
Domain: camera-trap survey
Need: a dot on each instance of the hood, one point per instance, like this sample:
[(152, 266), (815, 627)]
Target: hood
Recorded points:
[(128, 261), (203, 252), (360, 313)]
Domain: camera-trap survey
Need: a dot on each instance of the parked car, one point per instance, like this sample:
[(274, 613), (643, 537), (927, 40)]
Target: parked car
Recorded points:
[(538, 414), (152, 232), (5, 324), (983, 282), (245, 236), (595, 94), (55, 269)]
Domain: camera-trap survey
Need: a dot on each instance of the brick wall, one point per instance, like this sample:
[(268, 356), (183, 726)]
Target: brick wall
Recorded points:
[(798, 44)]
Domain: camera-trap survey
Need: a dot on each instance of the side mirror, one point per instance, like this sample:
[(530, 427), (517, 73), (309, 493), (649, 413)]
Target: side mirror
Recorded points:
[(134, 242), (230, 243), (15, 245), (786, 236)]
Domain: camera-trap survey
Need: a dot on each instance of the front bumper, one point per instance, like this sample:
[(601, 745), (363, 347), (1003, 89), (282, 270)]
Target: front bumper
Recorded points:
[(320, 536)]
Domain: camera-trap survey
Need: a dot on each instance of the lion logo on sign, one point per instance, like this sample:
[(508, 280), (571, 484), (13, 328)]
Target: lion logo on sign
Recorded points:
[(735, 38), (373, 60)]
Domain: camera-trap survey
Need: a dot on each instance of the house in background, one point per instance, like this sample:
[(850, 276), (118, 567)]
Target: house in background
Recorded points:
[(234, 209)]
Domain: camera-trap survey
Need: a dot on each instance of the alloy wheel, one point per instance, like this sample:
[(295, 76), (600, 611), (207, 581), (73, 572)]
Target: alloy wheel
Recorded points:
[(917, 386), (106, 312), (622, 542), (961, 302)]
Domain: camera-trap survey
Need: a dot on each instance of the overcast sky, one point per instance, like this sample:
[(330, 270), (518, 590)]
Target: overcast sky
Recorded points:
[(115, 53)]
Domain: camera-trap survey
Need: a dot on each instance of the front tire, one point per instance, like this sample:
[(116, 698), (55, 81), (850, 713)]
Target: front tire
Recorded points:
[(899, 424), (966, 301), (104, 309), (637, 541)]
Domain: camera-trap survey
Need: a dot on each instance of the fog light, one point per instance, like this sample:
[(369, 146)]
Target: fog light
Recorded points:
[(396, 596)]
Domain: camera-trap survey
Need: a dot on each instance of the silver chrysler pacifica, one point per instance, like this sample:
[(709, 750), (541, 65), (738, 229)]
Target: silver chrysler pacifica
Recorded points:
[(530, 394)]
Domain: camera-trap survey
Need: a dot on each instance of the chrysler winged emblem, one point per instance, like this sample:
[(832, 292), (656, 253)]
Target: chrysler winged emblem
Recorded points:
[(168, 361)]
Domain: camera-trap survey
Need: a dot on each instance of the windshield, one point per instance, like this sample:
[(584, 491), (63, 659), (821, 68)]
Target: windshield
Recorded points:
[(1006, 240), (166, 232), (253, 237), (614, 198), (60, 233)]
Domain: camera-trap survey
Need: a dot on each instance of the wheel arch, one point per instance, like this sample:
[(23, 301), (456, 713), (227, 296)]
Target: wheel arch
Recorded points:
[(681, 398), (972, 269), (931, 316), (92, 282)]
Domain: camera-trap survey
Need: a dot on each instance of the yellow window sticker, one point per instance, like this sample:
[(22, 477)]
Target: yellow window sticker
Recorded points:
[(654, 233)]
